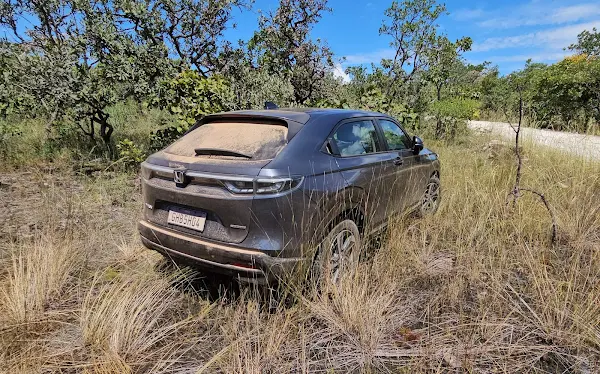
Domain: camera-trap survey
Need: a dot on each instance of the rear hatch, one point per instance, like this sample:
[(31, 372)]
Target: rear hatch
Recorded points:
[(204, 183)]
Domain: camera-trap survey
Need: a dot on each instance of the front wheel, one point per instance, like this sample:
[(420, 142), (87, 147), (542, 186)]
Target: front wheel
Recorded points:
[(338, 254), (430, 201)]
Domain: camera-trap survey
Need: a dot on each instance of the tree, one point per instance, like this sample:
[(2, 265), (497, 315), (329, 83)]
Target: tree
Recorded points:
[(452, 115), (191, 29), (80, 57), (588, 43), (568, 90), (282, 46), (442, 60), (516, 82), (13, 99), (412, 26)]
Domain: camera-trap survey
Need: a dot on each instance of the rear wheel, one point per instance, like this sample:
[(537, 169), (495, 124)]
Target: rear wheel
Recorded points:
[(338, 253), (430, 201)]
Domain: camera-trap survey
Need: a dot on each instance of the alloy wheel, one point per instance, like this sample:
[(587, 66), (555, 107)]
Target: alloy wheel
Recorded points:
[(431, 198), (343, 250)]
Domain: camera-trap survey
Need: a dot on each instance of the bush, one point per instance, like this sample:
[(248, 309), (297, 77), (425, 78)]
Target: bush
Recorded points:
[(452, 115), (190, 97), (130, 154), (8, 132)]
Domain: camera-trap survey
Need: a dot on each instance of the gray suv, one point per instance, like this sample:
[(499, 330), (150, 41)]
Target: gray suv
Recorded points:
[(256, 194)]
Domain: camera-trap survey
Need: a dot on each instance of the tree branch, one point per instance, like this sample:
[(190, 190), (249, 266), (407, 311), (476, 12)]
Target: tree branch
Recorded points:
[(517, 189)]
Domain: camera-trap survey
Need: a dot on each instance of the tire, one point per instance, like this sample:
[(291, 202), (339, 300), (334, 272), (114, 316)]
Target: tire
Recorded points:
[(329, 263), (430, 201)]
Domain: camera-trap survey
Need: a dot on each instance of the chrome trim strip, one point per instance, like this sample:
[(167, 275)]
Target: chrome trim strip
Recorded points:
[(222, 177), (203, 260), (204, 243), (158, 168), (195, 174)]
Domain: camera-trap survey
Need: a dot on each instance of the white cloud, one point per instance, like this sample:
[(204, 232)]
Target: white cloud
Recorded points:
[(536, 14), (338, 72), (371, 57), (544, 56), (551, 39), (467, 14)]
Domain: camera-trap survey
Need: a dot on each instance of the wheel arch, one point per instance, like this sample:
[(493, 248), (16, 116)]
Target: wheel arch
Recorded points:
[(348, 204)]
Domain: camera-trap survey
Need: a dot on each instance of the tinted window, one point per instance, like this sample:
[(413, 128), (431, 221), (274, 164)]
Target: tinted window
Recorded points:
[(356, 138), (395, 137)]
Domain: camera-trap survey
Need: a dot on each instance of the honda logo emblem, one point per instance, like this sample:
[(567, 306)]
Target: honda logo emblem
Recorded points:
[(179, 176)]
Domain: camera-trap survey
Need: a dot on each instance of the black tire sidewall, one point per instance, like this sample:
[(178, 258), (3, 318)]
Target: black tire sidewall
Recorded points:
[(323, 254)]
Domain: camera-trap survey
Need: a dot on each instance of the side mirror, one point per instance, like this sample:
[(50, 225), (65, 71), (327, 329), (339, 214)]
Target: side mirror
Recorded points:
[(417, 145)]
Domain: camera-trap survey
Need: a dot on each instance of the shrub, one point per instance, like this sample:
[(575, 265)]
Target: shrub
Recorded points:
[(452, 115), (190, 97), (129, 153), (8, 132)]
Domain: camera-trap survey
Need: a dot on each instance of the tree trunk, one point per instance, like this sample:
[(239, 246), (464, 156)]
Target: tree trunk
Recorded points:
[(438, 125), (51, 122), (106, 129)]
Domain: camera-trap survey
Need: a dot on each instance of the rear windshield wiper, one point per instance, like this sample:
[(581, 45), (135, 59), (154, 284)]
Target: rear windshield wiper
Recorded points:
[(219, 152)]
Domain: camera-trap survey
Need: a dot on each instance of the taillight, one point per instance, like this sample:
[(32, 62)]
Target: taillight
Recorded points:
[(271, 186), (241, 187), (262, 186)]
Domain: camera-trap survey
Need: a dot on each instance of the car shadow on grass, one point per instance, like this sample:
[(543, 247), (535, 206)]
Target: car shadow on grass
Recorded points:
[(221, 289)]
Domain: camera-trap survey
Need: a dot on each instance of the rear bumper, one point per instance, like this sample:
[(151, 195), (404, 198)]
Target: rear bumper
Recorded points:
[(249, 266)]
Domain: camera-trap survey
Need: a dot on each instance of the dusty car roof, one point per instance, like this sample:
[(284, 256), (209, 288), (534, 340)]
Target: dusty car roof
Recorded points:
[(301, 115)]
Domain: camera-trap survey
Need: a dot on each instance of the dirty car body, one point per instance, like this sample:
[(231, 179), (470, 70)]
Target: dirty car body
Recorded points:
[(251, 194)]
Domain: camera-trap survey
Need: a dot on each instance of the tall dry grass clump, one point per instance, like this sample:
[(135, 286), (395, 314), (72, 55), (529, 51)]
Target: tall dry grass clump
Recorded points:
[(352, 325), (37, 275), (249, 339), (131, 324), (37, 292)]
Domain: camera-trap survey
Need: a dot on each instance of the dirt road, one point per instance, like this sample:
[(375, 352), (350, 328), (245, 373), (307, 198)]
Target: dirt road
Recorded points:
[(586, 146)]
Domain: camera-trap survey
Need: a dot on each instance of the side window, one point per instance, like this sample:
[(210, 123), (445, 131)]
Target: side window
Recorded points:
[(356, 138), (396, 138)]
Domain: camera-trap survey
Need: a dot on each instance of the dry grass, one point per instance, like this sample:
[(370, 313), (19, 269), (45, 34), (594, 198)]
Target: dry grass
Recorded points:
[(37, 276), (476, 288), (128, 322)]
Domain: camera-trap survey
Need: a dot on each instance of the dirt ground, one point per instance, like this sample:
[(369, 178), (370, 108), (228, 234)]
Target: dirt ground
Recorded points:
[(586, 146)]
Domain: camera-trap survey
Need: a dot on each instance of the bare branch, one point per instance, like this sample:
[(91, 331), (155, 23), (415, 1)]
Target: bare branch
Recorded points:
[(517, 189), (548, 208)]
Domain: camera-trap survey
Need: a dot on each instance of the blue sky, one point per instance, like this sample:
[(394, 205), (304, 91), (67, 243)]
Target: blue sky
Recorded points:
[(507, 33)]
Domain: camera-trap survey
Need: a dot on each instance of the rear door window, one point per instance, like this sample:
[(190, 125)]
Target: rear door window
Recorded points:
[(356, 138), (231, 140)]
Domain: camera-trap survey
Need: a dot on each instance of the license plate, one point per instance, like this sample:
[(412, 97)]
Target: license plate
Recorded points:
[(194, 222)]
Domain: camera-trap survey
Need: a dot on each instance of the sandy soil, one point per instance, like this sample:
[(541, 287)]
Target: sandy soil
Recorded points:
[(586, 146)]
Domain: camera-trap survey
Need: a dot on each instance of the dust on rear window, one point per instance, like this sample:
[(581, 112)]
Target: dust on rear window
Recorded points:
[(257, 140)]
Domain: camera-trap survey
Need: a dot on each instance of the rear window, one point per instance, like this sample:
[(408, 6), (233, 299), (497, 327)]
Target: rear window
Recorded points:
[(236, 141)]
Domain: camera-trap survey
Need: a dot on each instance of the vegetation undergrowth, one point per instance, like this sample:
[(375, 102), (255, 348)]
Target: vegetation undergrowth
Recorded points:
[(478, 287)]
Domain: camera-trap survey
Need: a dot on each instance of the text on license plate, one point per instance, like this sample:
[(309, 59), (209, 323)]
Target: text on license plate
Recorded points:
[(187, 220)]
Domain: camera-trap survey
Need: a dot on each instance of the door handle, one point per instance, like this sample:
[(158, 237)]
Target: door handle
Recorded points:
[(399, 161)]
